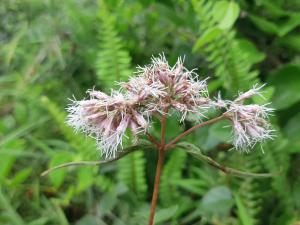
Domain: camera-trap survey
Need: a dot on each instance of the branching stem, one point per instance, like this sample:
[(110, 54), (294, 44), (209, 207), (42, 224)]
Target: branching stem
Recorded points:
[(185, 133), (160, 162)]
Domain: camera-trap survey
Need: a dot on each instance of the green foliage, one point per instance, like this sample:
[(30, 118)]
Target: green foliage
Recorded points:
[(131, 171), (286, 93), (51, 50), (172, 172), (227, 55), (113, 62)]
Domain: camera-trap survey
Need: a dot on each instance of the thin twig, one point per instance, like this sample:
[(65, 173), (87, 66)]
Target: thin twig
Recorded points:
[(94, 163), (183, 134), (193, 150), (153, 140)]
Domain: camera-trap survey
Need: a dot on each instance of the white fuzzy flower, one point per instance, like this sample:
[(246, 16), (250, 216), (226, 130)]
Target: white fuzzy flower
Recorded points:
[(106, 118), (175, 87), (156, 87), (248, 94), (250, 124)]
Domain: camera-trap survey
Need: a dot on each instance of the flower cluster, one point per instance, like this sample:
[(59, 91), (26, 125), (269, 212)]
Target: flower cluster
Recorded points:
[(250, 122), (165, 86), (155, 88), (106, 118)]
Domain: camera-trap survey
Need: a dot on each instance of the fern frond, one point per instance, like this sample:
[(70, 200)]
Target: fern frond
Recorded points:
[(221, 48), (113, 61), (253, 192), (277, 159), (131, 171), (172, 171)]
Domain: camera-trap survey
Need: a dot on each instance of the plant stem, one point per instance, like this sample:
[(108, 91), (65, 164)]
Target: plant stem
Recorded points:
[(153, 140), (183, 134), (163, 122), (160, 162)]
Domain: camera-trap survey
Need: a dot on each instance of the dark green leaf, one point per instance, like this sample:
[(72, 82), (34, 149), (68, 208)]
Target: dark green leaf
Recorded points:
[(286, 82), (217, 201)]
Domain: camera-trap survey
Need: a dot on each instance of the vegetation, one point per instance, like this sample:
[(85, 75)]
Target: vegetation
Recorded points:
[(52, 50)]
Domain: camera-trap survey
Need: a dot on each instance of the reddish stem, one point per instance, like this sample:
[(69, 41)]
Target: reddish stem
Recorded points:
[(183, 134), (160, 162), (153, 140)]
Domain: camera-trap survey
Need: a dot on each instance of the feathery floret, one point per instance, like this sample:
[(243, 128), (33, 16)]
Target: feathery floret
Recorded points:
[(106, 118), (154, 88)]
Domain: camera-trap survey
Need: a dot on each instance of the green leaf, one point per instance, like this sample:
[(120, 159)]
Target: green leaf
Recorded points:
[(249, 49), (219, 132), (163, 215), (7, 163), (274, 9), (290, 41), (172, 171), (292, 132), (243, 215), (208, 36), (22, 130), (194, 186), (264, 25), (21, 176), (57, 177), (217, 201), (286, 81), (88, 220), (278, 28), (8, 210), (85, 178), (196, 152), (107, 202), (231, 16), (289, 25), (226, 13)]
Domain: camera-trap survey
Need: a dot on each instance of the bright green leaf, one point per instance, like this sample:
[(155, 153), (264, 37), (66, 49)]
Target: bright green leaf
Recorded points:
[(289, 25), (21, 176), (208, 36), (249, 49), (231, 15), (243, 215)]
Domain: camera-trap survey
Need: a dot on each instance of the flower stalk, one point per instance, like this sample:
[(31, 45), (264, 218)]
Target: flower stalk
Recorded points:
[(160, 90)]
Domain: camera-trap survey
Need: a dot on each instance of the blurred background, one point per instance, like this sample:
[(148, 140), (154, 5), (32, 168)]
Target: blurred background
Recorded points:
[(52, 50)]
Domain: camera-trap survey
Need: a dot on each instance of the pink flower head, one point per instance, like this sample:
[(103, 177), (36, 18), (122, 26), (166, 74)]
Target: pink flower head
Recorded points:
[(250, 124), (248, 94), (154, 88), (106, 118), (167, 86)]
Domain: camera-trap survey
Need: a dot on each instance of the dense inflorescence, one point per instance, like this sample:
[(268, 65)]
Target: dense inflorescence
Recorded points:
[(154, 88)]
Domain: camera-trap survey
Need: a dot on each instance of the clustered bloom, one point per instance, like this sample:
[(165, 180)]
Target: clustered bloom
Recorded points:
[(106, 118), (164, 86), (250, 122), (154, 88)]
